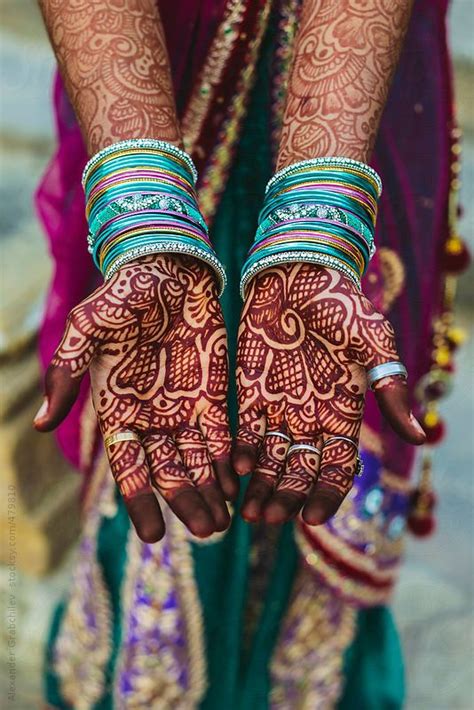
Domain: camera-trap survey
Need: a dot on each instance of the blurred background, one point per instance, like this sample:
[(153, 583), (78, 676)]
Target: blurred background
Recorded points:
[(39, 513)]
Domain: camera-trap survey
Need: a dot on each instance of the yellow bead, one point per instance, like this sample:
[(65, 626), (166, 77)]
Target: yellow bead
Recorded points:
[(454, 245), (442, 356), (456, 335), (431, 418)]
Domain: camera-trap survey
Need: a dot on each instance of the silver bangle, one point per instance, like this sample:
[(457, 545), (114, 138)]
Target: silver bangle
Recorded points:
[(171, 247), (327, 161), (386, 369), (137, 143), (291, 257), (279, 435), (304, 447)]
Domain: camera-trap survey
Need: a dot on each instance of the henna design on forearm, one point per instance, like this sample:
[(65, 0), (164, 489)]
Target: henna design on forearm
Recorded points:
[(114, 62), (345, 55)]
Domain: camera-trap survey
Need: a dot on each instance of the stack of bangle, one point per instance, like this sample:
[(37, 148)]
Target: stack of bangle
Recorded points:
[(141, 199), (321, 211)]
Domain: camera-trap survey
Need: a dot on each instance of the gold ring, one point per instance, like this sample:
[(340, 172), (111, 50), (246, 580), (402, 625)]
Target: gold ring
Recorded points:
[(120, 436)]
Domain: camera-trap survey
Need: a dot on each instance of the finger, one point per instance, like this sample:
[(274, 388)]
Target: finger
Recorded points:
[(336, 475), (269, 468), (391, 394), (214, 425), (64, 375), (300, 474), (169, 476), (378, 345), (131, 473), (249, 437), (197, 462)]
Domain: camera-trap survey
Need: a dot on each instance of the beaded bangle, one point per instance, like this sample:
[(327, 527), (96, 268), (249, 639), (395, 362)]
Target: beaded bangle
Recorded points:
[(321, 211), (141, 199), (331, 162)]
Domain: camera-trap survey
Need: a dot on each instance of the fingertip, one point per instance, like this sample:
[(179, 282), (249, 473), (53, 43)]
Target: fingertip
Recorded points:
[(251, 511), (145, 514), (41, 421), (416, 432), (281, 508), (202, 525), (150, 533), (319, 511), (244, 458)]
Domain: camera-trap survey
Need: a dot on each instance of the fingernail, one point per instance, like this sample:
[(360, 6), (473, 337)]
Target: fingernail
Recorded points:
[(42, 411), (416, 424)]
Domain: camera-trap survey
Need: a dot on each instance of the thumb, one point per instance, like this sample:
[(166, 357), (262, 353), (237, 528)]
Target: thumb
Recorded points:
[(61, 390), (64, 375), (391, 394)]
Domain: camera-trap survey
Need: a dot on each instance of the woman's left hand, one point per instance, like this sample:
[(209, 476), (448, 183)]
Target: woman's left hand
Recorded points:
[(307, 338)]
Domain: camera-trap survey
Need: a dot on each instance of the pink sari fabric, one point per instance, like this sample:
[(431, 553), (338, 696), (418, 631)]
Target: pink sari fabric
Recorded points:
[(412, 156)]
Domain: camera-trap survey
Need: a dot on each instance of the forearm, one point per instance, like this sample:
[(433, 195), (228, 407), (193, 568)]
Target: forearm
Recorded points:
[(345, 57), (115, 66)]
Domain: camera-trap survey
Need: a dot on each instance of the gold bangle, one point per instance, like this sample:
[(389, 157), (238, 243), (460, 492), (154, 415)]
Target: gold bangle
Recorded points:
[(120, 436)]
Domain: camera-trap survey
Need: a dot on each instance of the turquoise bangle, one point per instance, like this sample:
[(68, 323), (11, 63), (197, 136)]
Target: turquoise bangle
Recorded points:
[(315, 228), (314, 212), (331, 199), (144, 204)]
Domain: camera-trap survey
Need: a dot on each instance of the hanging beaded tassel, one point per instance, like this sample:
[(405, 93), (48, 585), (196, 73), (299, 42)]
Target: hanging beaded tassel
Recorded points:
[(437, 383)]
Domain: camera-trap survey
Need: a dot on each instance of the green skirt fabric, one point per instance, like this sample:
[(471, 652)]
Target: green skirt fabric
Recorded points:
[(238, 666)]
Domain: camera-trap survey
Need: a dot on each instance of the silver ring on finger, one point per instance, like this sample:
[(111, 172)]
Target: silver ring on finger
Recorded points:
[(279, 435), (359, 463), (304, 447), (386, 369), (359, 466), (341, 438)]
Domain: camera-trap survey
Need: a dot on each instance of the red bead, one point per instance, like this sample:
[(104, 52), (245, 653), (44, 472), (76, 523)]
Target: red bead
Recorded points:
[(434, 431), (456, 257), (421, 527), (421, 520)]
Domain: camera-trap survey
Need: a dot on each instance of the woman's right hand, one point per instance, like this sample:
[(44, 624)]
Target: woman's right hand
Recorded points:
[(154, 340)]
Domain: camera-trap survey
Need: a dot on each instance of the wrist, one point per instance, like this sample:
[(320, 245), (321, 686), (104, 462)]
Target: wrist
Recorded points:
[(141, 200), (321, 211)]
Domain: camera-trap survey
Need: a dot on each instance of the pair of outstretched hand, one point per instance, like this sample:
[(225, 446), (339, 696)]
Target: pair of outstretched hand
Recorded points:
[(154, 340)]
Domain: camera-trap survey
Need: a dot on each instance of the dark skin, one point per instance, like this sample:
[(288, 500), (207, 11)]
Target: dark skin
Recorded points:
[(119, 83), (303, 351)]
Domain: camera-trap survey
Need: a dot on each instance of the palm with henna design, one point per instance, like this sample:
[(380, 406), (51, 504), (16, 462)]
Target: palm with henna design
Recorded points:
[(154, 340), (306, 339)]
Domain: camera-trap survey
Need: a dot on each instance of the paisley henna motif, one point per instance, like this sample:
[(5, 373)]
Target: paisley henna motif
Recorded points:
[(114, 61), (306, 338), (154, 340), (345, 55)]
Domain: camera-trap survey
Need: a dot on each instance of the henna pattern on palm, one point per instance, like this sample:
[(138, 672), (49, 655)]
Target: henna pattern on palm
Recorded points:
[(306, 339), (155, 342)]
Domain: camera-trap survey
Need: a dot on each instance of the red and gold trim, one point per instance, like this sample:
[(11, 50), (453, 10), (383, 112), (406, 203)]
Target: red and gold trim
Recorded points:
[(215, 113)]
